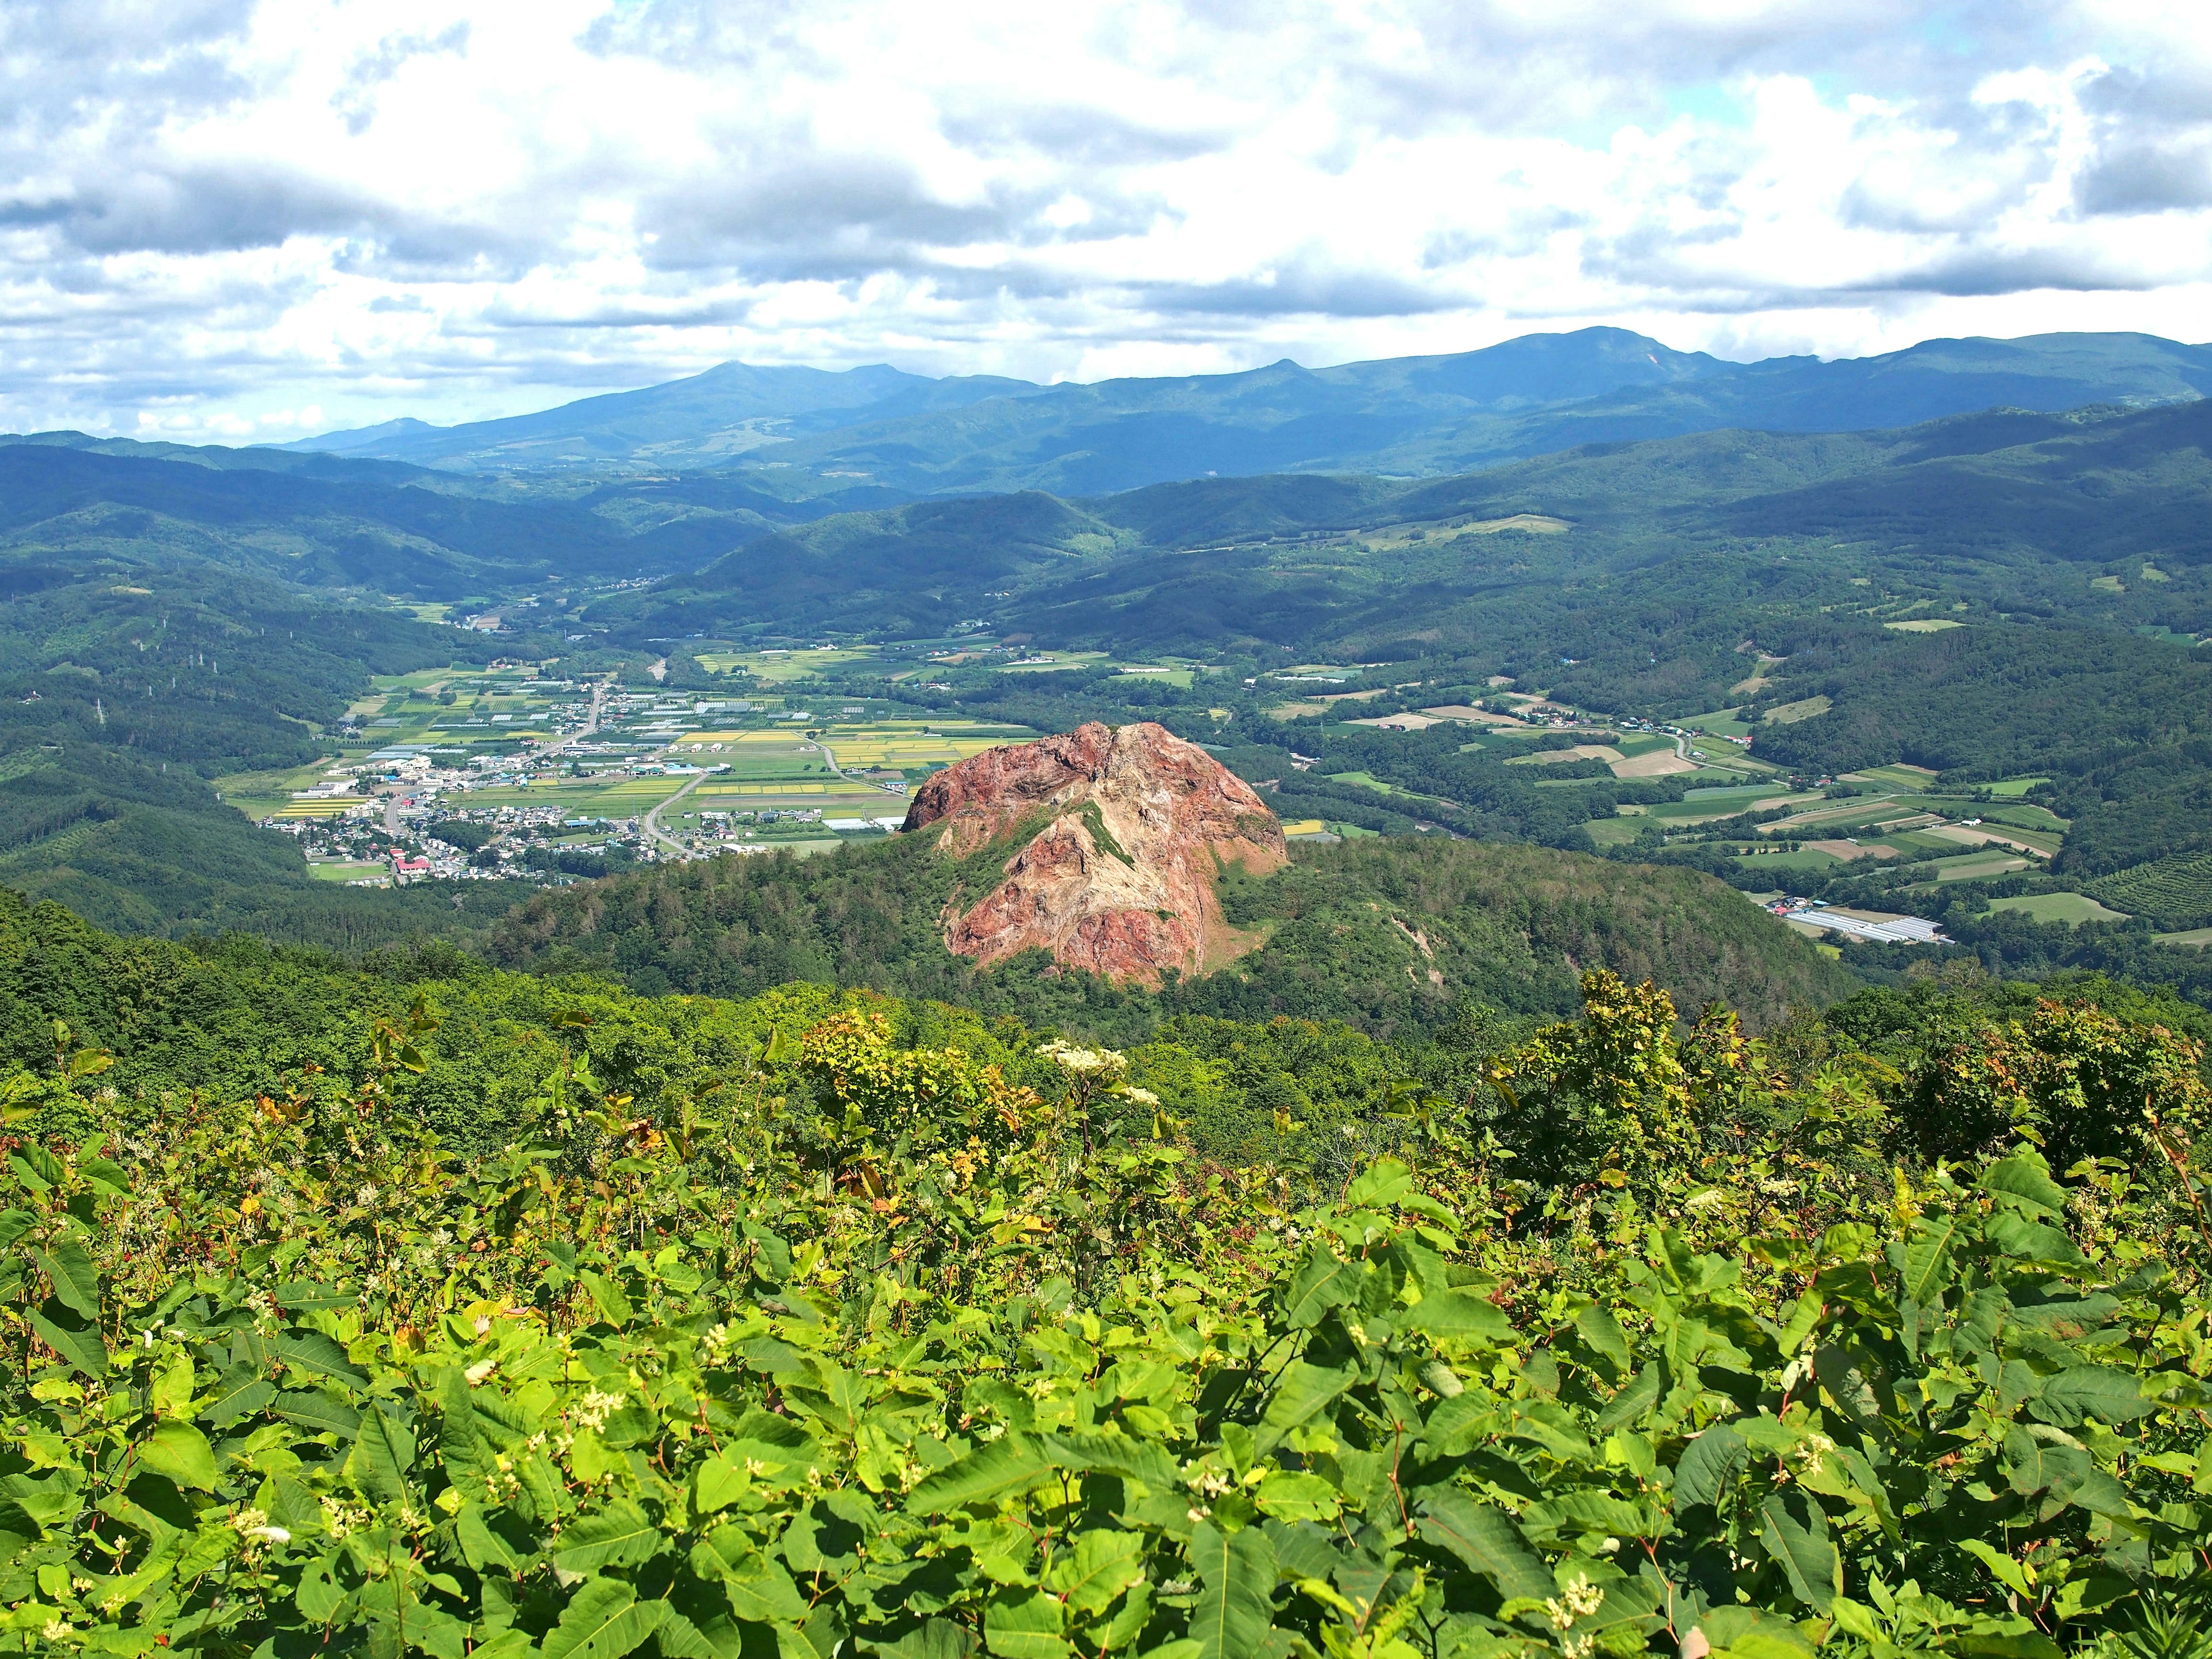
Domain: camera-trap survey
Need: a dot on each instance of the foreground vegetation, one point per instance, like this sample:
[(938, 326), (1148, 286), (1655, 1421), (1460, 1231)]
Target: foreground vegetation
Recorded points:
[(496, 1315)]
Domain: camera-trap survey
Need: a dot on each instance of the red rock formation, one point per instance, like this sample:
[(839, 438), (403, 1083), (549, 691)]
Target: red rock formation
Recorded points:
[(1119, 837)]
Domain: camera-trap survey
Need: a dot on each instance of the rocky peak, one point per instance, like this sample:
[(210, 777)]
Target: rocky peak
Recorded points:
[(1116, 841)]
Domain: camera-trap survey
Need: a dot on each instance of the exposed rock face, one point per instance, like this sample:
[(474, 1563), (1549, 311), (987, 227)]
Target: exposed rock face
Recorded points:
[(1122, 836)]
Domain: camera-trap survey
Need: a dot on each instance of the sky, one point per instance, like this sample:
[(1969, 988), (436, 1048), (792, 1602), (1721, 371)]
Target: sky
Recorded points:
[(228, 221)]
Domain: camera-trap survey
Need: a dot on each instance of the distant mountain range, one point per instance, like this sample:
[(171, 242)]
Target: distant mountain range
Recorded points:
[(805, 431)]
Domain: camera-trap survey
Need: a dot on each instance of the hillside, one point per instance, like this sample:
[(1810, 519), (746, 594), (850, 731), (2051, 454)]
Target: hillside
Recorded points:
[(1390, 936), (1418, 415)]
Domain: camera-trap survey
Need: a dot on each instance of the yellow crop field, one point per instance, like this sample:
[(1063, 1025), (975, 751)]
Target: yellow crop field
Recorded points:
[(316, 809)]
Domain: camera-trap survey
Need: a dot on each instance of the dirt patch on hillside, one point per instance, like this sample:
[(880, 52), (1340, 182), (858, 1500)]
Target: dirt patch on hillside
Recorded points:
[(1659, 763), (1848, 850)]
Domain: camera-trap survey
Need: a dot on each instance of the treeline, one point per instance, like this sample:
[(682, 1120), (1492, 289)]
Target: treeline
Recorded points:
[(1388, 935), (491, 1315)]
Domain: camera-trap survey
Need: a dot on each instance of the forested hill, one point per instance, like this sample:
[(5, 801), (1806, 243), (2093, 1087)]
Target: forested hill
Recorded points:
[(1392, 936), (2010, 514), (785, 428)]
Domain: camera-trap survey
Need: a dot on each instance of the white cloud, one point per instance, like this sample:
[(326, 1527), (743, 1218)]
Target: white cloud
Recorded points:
[(228, 215)]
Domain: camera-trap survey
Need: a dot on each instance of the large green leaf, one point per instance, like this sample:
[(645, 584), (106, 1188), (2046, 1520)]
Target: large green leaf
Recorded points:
[(619, 1535), (1301, 1393), (1707, 1464), (1323, 1280), (71, 1335), (1928, 1258), (1114, 1454), (1798, 1540), (75, 1277), (996, 1469), (1025, 1624), (604, 1620), (239, 1392), (2023, 1182), (1486, 1539), (1096, 1568), (1459, 1313), (757, 1589), (2031, 1465), (1600, 1332), (383, 1453), (1236, 1606), (317, 1355), (2109, 1395), (179, 1451)]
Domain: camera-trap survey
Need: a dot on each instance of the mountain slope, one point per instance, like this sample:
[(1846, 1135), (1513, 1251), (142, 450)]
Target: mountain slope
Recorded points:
[(1391, 936), (1416, 416)]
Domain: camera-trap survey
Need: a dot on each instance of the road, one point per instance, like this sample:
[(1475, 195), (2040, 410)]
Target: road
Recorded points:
[(830, 757), (591, 724), (652, 829), (392, 825)]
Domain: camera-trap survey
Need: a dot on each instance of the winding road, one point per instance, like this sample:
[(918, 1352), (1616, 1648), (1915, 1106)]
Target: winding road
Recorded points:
[(652, 822)]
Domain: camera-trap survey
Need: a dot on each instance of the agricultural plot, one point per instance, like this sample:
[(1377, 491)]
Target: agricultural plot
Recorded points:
[(2072, 909), (777, 666), (2175, 892), (1899, 776)]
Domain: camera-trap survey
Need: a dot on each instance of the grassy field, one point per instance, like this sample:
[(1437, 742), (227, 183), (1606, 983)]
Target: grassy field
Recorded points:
[(1974, 865), (2072, 909), (1899, 776), (268, 794), (2015, 786), (1721, 722), (1923, 625), (778, 667), (2196, 936)]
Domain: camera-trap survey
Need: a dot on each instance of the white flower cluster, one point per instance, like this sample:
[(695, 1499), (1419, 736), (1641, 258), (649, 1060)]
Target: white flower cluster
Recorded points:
[(1077, 1061), (593, 1410)]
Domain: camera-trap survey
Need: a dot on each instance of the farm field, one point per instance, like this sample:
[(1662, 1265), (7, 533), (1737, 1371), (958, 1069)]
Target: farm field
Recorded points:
[(268, 794), (2072, 909), (777, 666), (1974, 865), (1900, 777)]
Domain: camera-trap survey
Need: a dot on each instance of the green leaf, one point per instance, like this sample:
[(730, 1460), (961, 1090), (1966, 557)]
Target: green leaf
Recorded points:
[(1639, 1397), (1001, 1466), (1486, 1539), (1602, 1333), (1707, 1465), (1099, 1567), (758, 1588), (1289, 1495), (1595, 1512), (2031, 1465), (1235, 1607), (614, 1307), (1802, 1546), (482, 1547), (169, 1390), (617, 1536), (76, 1280), (1025, 1624), (2031, 1241), (18, 1531), (1381, 1185), (1302, 1394), (383, 1452), (2103, 1392), (1460, 1313), (1323, 1280), (317, 1355), (2023, 1182), (1113, 1453), (2007, 1571), (1928, 1258), (181, 1452), (71, 1335), (604, 1620), (319, 1412)]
